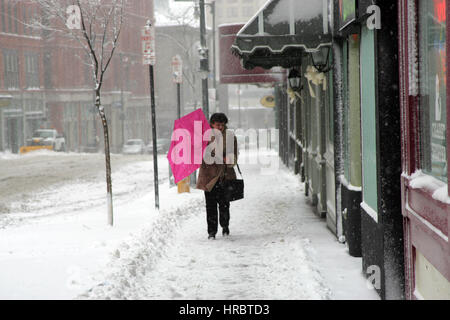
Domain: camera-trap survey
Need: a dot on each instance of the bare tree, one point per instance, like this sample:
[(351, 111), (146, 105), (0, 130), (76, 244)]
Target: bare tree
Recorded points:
[(95, 25)]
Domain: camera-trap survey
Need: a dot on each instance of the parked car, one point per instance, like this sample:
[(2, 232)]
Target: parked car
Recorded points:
[(134, 146), (162, 145)]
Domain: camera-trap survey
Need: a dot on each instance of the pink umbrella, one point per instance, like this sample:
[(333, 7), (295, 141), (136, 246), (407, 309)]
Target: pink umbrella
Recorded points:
[(189, 140)]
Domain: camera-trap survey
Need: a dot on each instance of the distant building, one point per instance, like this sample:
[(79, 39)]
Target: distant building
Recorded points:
[(231, 12), (182, 40), (161, 6), (51, 86)]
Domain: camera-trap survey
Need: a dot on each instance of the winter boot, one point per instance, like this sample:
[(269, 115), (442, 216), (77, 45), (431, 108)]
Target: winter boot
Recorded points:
[(225, 231)]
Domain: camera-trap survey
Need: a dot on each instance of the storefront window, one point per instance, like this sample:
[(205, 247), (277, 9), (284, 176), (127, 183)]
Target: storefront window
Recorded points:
[(433, 81)]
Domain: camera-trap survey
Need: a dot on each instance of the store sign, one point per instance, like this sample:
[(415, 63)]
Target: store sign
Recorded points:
[(347, 12)]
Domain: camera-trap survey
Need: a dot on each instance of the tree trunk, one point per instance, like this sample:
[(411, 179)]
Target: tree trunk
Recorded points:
[(102, 114)]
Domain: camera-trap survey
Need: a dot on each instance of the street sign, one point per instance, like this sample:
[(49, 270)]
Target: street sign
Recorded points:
[(177, 69), (148, 45)]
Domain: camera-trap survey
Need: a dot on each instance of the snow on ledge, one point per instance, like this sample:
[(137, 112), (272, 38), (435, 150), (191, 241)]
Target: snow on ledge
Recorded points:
[(420, 180), (372, 213), (348, 185), (441, 195)]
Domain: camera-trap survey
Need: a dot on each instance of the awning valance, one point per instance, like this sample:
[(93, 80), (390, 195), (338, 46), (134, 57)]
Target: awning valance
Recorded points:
[(282, 31)]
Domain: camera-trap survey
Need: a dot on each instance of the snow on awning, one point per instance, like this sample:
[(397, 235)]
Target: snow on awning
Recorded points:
[(282, 31)]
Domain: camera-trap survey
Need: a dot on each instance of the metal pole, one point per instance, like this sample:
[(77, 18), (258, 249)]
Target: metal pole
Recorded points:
[(155, 151), (213, 8), (204, 62), (239, 105), (179, 100), (172, 183)]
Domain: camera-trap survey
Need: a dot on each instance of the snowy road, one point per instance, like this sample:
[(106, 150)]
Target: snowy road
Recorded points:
[(47, 183), (278, 249)]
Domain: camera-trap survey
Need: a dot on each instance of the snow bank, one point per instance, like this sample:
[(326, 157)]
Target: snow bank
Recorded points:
[(8, 156), (419, 180), (134, 258), (348, 185), (38, 153)]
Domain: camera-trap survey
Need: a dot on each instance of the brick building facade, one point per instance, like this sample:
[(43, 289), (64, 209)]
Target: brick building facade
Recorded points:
[(51, 86)]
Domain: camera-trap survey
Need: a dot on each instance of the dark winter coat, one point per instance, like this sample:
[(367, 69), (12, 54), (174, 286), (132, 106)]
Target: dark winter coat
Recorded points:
[(209, 174)]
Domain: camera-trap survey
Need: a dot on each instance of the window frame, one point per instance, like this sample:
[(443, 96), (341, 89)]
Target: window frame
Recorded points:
[(11, 69), (424, 134), (425, 217)]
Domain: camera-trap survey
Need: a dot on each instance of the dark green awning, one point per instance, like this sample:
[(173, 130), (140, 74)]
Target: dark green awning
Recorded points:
[(282, 31)]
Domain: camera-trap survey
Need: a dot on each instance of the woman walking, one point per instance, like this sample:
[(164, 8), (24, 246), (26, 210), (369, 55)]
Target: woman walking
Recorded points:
[(212, 176)]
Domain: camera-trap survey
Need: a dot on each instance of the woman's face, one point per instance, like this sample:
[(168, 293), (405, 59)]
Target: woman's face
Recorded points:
[(218, 125)]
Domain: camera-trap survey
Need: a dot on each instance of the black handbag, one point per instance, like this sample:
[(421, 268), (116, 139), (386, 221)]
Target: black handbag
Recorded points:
[(234, 189)]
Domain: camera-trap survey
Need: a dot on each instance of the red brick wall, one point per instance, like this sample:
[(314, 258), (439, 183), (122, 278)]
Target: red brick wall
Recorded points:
[(67, 69)]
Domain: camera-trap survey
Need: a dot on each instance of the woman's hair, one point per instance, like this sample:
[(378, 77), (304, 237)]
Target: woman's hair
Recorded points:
[(219, 117)]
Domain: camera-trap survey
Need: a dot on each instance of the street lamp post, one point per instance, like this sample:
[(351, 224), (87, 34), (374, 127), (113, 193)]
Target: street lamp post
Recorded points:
[(203, 51), (239, 105), (212, 6)]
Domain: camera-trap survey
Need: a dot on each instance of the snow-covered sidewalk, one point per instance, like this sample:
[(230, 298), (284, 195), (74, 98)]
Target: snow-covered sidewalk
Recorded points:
[(278, 249)]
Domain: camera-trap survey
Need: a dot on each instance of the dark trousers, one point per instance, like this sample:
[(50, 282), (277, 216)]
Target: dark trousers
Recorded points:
[(213, 199)]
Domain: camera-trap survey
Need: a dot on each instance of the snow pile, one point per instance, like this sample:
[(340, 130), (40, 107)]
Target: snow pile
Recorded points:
[(134, 258), (348, 185), (419, 180), (38, 153), (8, 155), (441, 195)]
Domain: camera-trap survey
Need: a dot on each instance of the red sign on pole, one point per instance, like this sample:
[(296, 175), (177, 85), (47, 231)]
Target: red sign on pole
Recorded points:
[(148, 45), (177, 69)]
